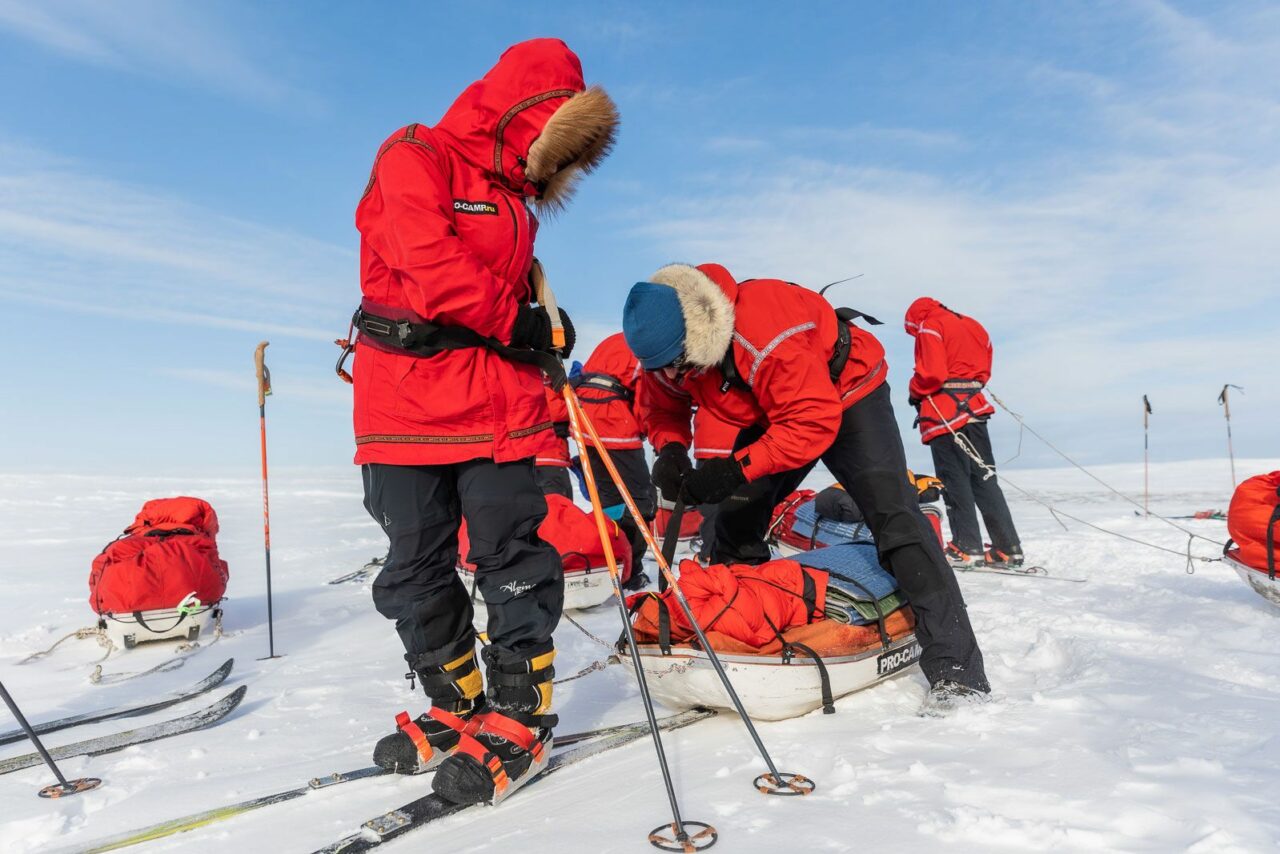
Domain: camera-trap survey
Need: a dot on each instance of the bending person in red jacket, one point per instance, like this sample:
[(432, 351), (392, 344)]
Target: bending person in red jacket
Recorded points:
[(449, 413), (773, 359), (607, 389), (953, 364)]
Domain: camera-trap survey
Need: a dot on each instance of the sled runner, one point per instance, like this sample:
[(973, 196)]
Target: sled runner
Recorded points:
[(862, 635), (1253, 521), (573, 533)]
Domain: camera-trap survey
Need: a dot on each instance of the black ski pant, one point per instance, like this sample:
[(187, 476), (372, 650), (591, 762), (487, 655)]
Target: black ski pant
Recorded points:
[(554, 480), (966, 492), (633, 467), (868, 460), (519, 575)]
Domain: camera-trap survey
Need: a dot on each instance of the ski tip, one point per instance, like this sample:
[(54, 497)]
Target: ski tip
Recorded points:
[(228, 703)]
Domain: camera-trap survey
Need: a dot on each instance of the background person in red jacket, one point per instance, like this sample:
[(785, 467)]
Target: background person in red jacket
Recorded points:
[(953, 364), (444, 433), (607, 389), (769, 357), (552, 463)]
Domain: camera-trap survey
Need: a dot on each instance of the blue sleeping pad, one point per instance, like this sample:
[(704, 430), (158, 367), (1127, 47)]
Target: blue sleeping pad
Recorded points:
[(856, 579), (830, 532)]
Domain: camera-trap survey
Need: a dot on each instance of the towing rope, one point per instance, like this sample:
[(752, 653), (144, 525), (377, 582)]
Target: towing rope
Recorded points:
[(1058, 514)]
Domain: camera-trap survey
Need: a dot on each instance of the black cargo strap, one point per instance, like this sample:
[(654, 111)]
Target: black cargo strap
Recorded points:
[(1271, 543), (611, 385), (789, 649), (835, 365), (425, 339), (671, 539), (137, 617), (875, 603)]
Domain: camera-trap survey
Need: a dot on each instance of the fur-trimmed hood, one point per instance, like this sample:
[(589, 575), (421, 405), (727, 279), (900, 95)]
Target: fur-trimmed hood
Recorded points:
[(706, 295), (533, 123)]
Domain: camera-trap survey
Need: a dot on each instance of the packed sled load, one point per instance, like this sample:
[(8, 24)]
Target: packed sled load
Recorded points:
[(572, 531), (793, 634), (806, 520), (162, 578), (1253, 521)]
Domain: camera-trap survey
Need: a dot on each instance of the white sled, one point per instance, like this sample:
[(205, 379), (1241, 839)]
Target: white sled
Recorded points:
[(128, 630), (770, 688), (583, 588), (1261, 582)]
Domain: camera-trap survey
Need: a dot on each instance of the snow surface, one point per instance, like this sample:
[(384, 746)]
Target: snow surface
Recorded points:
[(1136, 712)]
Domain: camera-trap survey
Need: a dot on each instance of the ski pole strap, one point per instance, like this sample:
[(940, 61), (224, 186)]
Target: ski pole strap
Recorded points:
[(790, 648), (401, 331)]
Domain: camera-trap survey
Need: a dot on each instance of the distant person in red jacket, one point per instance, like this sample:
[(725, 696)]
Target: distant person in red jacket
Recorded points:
[(450, 414), (552, 462), (607, 389), (953, 364), (801, 384)]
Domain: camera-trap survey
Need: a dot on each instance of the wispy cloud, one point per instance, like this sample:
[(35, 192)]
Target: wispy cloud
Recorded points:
[(1145, 261), (163, 39), (82, 243)]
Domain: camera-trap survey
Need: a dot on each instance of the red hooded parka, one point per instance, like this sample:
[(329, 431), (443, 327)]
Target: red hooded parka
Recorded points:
[(949, 348), (446, 237)]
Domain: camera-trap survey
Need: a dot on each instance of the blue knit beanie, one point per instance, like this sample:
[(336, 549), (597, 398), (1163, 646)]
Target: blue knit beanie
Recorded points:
[(653, 324)]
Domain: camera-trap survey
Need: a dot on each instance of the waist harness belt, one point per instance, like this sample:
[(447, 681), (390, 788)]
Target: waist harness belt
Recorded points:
[(960, 391), (400, 331), (613, 389)]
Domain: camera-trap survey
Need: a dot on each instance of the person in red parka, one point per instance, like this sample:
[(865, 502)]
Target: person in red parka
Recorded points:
[(450, 410), (607, 389), (953, 364), (802, 384), (552, 463)]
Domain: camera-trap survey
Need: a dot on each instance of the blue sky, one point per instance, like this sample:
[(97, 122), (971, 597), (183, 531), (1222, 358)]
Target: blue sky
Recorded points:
[(1098, 183)]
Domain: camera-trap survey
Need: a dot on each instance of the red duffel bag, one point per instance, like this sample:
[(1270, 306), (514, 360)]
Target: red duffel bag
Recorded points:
[(1253, 520), (165, 558)]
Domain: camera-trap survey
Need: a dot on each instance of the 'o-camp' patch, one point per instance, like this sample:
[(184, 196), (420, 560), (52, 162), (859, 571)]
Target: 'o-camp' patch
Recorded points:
[(482, 208)]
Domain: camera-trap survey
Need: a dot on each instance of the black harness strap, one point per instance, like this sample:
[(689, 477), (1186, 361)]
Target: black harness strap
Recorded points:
[(835, 365), (425, 339), (961, 392), (593, 381)]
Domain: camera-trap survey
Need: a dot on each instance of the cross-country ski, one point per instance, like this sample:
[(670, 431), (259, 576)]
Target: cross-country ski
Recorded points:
[(190, 722), (210, 682)]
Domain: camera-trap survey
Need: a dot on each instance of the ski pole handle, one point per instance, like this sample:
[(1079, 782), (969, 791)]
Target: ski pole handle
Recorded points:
[(264, 375)]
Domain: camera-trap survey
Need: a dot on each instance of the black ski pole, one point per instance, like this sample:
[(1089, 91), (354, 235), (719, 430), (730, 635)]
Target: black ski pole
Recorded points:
[(672, 538), (264, 389), (680, 840), (63, 786), (775, 782)]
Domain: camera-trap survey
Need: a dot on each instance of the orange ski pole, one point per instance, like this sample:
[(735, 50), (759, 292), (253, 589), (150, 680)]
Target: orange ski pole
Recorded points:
[(705, 835), (264, 389), (773, 783)]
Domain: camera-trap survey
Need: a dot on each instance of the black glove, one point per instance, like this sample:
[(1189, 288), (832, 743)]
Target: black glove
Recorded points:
[(913, 402), (670, 468), (532, 330), (715, 481), (561, 429)]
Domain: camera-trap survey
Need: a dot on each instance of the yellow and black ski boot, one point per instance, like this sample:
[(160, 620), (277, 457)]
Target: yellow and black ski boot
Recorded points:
[(455, 688)]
